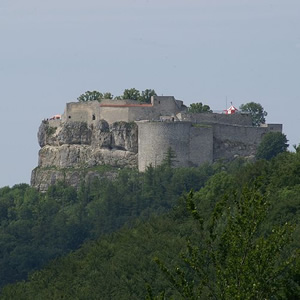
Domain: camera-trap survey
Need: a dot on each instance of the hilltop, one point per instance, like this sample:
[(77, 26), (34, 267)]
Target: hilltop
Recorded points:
[(126, 133)]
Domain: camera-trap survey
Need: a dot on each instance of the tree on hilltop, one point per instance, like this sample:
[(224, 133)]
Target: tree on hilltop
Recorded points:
[(131, 94), (134, 94), (108, 95), (94, 96), (256, 111), (199, 108), (146, 95)]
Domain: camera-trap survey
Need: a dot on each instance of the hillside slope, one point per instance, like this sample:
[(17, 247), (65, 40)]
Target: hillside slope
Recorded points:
[(119, 266)]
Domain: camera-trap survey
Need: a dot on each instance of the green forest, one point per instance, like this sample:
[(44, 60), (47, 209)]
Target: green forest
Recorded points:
[(220, 231)]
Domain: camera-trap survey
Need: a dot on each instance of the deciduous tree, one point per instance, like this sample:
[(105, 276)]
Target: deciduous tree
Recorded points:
[(199, 108), (90, 96), (132, 94), (146, 95), (256, 111)]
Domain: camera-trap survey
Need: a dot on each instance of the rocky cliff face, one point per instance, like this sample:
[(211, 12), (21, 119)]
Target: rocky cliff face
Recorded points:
[(69, 150)]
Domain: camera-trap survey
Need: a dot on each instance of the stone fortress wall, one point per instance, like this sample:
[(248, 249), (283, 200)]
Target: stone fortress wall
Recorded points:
[(216, 118), (165, 124), (121, 110), (191, 145)]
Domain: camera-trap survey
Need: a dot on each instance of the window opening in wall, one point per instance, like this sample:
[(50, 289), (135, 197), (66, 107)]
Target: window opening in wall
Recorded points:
[(158, 102), (94, 117), (69, 117)]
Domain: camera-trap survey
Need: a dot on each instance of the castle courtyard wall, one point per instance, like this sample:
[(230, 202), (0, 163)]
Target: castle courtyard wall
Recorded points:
[(114, 114)]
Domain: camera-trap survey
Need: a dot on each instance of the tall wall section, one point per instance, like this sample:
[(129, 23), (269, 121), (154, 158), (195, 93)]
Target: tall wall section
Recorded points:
[(191, 145)]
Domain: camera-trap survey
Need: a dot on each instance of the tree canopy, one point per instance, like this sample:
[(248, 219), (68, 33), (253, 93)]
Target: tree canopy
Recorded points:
[(234, 240), (90, 96), (134, 94), (232, 259), (199, 108), (256, 111), (272, 144), (131, 94), (236, 235), (146, 95)]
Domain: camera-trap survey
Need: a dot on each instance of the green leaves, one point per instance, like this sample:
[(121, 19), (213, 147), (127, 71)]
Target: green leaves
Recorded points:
[(256, 111), (271, 145), (229, 238), (230, 258), (134, 94), (128, 94), (90, 96), (199, 108)]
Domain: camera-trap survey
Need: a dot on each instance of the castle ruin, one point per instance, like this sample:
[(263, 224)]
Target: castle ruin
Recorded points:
[(126, 133)]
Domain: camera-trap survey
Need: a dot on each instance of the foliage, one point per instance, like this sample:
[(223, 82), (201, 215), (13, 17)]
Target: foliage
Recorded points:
[(146, 95), (50, 130), (271, 145), (134, 94), (229, 258), (90, 96), (37, 227), (131, 94), (170, 158), (108, 95), (199, 108), (256, 111)]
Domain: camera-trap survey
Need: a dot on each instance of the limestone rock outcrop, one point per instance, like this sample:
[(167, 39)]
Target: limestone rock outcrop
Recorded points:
[(71, 148)]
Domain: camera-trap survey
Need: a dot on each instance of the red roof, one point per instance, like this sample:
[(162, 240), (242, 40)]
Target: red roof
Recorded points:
[(231, 110)]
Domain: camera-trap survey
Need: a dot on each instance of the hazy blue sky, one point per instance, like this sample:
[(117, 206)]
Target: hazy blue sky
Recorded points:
[(200, 50)]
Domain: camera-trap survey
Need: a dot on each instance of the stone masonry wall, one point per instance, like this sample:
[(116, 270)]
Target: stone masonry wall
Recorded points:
[(92, 134), (213, 118), (121, 110), (82, 112), (234, 140), (192, 145), (201, 144)]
